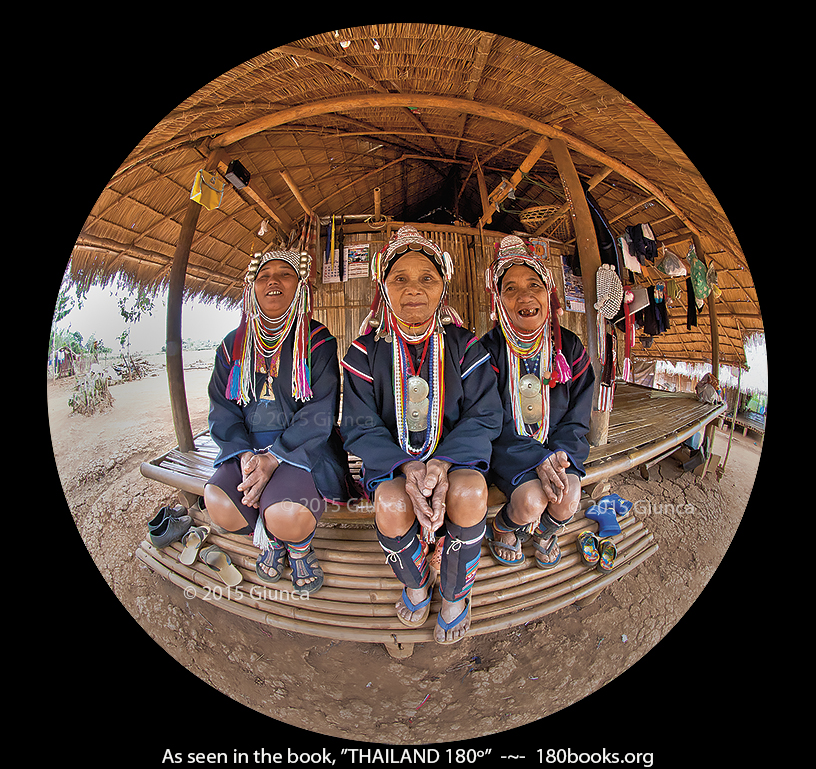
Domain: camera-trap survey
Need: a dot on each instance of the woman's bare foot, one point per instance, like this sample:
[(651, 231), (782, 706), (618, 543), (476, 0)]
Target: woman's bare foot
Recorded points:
[(448, 613)]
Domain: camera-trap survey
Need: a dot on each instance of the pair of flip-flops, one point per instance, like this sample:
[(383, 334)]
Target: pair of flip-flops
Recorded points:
[(521, 537), (213, 557), (596, 551), (425, 607)]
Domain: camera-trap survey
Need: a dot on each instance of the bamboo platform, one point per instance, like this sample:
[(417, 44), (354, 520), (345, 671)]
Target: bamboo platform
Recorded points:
[(356, 602), (357, 599), (747, 420), (645, 424)]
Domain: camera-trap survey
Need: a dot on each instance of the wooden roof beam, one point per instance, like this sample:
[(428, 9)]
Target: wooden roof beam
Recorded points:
[(593, 182), (290, 182), (501, 191)]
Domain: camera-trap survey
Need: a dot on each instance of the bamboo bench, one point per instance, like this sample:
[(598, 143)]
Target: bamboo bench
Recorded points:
[(356, 602)]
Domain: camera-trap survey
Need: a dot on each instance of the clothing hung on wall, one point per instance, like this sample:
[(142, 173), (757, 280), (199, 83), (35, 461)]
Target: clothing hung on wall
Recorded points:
[(643, 242), (654, 319)]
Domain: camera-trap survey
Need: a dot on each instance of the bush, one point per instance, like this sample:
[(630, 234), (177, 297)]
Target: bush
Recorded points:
[(91, 394)]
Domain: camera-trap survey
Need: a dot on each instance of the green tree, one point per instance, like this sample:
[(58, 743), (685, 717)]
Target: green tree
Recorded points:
[(142, 304)]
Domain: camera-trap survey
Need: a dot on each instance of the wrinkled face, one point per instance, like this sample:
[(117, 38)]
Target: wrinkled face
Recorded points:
[(525, 297), (275, 287), (414, 288)]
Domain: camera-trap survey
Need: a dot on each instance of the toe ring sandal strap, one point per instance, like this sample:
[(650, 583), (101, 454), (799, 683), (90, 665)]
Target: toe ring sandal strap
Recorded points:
[(455, 622)]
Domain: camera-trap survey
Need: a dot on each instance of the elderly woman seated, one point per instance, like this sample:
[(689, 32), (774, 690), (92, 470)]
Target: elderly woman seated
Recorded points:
[(274, 421), (546, 383), (421, 409)]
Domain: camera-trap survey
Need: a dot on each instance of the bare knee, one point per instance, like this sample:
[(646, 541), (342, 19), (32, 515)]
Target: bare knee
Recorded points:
[(392, 508), (527, 502), (570, 502), (466, 501), (222, 510), (289, 521)]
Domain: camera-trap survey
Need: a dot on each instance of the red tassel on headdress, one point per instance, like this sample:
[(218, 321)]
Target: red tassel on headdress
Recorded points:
[(560, 365), (233, 388)]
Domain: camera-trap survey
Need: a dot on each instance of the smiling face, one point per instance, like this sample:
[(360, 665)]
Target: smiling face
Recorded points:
[(275, 287), (414, 288), (525, 297)]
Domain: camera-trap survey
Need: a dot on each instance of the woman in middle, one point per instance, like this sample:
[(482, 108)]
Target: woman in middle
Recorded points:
[(421, 409)]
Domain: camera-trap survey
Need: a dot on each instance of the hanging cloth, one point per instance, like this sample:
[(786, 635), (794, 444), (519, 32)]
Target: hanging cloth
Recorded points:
[(698, 277), (691, 306), (609, 291)]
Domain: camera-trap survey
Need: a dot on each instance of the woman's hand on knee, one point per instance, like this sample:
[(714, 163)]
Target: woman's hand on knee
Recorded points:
[(256, 470), (424, 481), (553, 476)]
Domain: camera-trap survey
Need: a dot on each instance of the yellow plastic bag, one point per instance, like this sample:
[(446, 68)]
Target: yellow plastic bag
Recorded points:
[(208, 189)]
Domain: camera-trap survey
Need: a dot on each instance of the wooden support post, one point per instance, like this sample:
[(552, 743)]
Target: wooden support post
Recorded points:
[(175, 299), (712, 316), (486, 212), (590, 258)]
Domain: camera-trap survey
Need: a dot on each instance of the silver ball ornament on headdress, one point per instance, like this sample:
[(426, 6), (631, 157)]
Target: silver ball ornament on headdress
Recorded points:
[(252, 268)]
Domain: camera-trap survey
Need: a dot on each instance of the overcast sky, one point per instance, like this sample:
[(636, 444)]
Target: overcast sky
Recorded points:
[(100, 316)]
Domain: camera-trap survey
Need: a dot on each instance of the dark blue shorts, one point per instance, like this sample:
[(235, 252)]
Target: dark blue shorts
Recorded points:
[(287, 484)]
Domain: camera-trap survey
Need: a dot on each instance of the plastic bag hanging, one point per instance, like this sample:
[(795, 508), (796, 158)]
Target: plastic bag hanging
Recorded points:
[(208, 189)]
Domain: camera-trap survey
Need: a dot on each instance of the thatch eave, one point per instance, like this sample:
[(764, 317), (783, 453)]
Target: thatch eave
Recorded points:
[(426, 109)]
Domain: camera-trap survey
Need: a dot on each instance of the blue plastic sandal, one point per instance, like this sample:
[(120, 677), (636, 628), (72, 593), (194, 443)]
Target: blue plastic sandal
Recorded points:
[(303, 568), (465, 613), (608, 525), (620, 505), (273, 559), (412, 607)]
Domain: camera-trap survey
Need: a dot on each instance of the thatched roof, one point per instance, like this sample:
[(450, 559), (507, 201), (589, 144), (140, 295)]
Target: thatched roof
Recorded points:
[(416, 110)]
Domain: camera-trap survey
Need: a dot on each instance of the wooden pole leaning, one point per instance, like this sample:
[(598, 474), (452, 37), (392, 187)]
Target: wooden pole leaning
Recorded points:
[(711, 430), (590, 257)]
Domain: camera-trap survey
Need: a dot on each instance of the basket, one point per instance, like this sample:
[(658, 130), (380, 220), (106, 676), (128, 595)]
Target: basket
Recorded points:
[(532, 218)]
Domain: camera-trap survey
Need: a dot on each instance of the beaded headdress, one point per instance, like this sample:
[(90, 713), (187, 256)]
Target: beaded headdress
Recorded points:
[(544, 343), (381, 316), (259, 339)]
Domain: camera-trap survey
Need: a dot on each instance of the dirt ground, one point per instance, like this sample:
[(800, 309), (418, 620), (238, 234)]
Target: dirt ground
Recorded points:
[(565, 667)]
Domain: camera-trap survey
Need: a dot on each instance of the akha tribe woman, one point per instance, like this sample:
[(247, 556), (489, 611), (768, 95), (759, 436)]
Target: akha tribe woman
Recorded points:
[(421, 409), (546, 382), (274, 401)]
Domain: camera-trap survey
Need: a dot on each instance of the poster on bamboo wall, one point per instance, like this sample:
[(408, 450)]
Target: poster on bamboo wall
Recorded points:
[(573, 288), (357, 260)]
